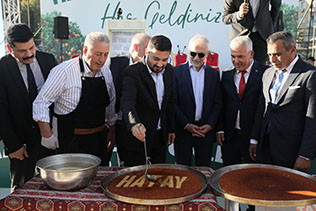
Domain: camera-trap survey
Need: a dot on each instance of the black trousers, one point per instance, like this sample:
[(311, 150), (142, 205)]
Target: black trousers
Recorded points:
[(259, 47), (23, 170), (236, 150), (156, 151)]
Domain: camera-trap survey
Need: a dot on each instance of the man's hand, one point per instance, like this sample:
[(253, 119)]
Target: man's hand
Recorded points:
[(194, 130), (110, 138), (302, 164), (19, 154), (243, 10), (205, 129), (171, 137), (220, 138), (50, 143), (253, 151), (139, 131)]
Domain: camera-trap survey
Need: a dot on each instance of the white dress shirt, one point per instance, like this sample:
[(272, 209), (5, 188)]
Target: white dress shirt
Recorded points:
[(197, 78), (37, 73), (63, 87), (160, 87)]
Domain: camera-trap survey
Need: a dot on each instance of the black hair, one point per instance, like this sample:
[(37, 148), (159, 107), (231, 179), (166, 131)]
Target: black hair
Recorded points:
[(160, 43), (19, 32), (311, 58)]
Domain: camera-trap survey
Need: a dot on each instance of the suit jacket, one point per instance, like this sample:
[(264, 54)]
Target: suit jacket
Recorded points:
[(17, 126), (293, 118), (184, 97), (247, 105), (117, 66), (139, 104), (265, 21)]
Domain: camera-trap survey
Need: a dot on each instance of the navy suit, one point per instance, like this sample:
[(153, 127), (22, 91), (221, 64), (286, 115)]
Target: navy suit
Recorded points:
[(236, 143), (185, 114)]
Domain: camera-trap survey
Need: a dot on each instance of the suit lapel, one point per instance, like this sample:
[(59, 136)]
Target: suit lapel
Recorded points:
[(292, 76), (254, 73), (17, 78), (187, 77), (149, 82), (231, 76), (267, 82), (42, 65)]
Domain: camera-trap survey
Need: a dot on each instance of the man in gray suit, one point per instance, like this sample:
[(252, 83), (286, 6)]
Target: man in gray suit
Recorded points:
[(287, 129), (254, 19)]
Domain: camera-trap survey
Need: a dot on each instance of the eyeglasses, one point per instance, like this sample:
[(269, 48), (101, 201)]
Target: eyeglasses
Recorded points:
[(193, 54)]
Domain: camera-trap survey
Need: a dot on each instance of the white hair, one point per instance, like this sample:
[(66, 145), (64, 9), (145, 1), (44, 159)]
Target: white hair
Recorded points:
[(139, 39), (95, 36), (241, 41), (199, 38)]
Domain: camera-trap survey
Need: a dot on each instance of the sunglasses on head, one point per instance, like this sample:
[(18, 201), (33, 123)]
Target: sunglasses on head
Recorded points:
[(193, 54)]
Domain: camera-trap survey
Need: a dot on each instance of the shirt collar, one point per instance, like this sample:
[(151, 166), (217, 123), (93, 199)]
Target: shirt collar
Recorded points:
[(290, 67), (192, 67)]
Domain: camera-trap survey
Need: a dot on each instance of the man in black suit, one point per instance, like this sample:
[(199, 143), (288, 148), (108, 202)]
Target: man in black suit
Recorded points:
[(147, 105), (241, 86), (287, 130), (22, 74), (253, 18), (197, 105)]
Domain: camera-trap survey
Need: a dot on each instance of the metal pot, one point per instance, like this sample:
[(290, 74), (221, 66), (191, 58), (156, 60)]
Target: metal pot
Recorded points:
[(68, 171)]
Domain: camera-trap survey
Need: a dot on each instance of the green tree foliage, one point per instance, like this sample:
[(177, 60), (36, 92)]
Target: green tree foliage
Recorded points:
[(35, 16), (290, 18), (71, 46)]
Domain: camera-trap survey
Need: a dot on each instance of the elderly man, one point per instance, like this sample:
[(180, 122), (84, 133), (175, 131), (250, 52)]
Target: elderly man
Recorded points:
[(22, 75), (241, 86), (197, 105), (287, 130), (256, 19), (83, 92), (147, 105)]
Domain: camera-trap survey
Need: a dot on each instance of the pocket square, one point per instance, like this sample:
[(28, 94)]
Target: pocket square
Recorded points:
[(294, 87)]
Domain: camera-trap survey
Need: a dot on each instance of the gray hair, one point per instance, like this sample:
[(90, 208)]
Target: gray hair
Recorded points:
[(199, 38), (286, 37), (241, 41), (95, 36), (139, 39)]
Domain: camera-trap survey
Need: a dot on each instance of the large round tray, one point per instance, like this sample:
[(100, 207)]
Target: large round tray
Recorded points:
[(214, 183), (110, 177)]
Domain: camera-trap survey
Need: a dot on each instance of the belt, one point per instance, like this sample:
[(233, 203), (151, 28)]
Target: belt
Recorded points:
[(90, 130)]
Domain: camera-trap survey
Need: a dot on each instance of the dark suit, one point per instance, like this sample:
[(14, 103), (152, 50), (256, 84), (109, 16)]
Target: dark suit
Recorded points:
[(185, 113), (291, 121), (236, 143), (17, 126), (265, 22), (117, 66), (139, 105)]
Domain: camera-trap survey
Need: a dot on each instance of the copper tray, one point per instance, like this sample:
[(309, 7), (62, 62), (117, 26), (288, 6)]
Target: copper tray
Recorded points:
[(215, 177), (130, 200)]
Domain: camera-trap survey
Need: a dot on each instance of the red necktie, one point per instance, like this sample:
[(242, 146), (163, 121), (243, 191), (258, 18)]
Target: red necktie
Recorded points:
[(242, 83)]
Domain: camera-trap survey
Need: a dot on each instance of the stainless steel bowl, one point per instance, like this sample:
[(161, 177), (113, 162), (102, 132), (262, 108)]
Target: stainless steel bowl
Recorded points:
[(68, 171)]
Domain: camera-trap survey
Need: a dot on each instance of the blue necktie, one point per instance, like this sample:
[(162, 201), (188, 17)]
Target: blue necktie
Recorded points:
[(276, 86)]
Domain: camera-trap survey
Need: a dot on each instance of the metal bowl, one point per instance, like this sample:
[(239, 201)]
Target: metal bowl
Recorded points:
[(68, 171)]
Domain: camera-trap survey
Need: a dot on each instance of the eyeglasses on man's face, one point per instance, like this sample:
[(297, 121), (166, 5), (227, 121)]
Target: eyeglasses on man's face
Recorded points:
[(200, 55)]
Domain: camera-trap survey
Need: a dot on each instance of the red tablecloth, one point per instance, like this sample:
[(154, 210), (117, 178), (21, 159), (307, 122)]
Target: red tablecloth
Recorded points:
[(35, 195)]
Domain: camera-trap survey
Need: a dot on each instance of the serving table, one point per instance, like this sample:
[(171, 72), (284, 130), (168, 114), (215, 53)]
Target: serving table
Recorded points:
[(35, 195)]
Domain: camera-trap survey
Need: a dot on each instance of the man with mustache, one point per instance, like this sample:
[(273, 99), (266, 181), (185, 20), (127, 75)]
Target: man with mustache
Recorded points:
[(197, 105), (83, 92), (147, 105), (22, 75)]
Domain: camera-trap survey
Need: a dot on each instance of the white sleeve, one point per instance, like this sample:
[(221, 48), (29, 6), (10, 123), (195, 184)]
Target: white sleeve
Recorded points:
[(51, 90)]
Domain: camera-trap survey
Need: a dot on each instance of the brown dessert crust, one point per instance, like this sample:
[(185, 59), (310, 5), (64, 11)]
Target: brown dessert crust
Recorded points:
[(174, 183), (267, 184)]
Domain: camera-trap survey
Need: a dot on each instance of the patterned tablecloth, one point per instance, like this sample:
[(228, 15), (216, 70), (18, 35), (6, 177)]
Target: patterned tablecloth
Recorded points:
[(35, 195)]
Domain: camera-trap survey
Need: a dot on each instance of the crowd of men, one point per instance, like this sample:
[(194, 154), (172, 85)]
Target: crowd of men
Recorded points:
[(255, 112)]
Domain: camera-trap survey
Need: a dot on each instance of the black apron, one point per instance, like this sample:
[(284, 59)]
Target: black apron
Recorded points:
[(89, 113)]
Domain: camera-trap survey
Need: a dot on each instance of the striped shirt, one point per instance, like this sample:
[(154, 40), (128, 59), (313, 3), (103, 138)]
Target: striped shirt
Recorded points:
[(63, 88)]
